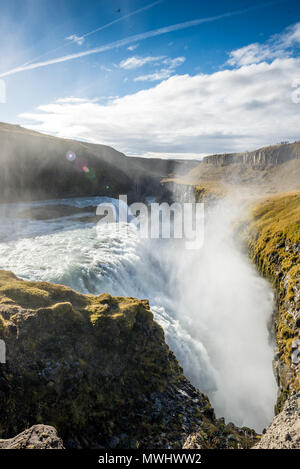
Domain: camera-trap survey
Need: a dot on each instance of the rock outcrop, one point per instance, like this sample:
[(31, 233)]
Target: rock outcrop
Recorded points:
[(284, 431), (36, 437), (270, 170), (267, 156), (97, 369)]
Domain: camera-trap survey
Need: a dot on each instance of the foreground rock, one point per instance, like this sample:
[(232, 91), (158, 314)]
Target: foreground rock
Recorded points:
[(97, 368), (36, 437), (284, 431)]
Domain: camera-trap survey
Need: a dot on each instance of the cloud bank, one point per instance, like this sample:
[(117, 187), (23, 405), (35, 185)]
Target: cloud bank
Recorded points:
[(253, 102), (231, 110)]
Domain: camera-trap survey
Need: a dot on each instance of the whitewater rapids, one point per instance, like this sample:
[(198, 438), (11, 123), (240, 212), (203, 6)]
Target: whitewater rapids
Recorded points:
[(212, 304)]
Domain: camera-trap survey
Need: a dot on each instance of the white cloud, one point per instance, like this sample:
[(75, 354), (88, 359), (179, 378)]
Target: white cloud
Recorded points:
[(156, 76), (173, 63), (105, 69), (176, 156), (137, 62), (231, 110), (169, 68), (74, 38), (133, 47), (280, 45), (71, 100), (290, 37)]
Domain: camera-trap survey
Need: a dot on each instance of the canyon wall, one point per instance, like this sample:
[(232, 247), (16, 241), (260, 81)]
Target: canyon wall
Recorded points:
[(97, 368), (267, 156)]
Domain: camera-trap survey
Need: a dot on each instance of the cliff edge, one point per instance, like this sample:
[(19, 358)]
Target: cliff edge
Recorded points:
[(97, 368)]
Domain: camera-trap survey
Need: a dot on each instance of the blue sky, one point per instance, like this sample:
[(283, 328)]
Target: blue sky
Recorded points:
[(219, 77)]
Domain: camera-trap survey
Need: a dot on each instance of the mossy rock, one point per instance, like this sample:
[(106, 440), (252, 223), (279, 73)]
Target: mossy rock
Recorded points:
[(96, 368), (273, 238)]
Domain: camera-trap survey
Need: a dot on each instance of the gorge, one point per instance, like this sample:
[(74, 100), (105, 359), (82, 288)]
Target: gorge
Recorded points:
[(215, 309)]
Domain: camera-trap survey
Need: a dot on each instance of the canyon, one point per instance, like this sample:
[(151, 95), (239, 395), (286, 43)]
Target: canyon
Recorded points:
[(96, 366)]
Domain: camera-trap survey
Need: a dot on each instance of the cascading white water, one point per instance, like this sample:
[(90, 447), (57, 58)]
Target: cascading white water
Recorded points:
[(211, 303)]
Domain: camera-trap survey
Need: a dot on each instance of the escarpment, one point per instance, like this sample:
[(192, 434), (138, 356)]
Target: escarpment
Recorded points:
[(267, 156), (98, 370), (269, 170)]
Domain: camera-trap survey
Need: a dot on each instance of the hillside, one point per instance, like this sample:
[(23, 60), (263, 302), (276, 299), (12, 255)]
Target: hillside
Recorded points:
[(35, 166), (269, 170)]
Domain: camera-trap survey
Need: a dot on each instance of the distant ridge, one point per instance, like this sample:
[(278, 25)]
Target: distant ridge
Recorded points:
[(269, 170), (34, 166), (266, 156)]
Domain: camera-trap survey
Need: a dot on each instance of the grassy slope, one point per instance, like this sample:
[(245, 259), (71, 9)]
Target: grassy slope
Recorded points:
[(274, 246)]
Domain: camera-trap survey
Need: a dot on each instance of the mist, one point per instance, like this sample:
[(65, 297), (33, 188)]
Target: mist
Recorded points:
[(224, 305), (212, 304)]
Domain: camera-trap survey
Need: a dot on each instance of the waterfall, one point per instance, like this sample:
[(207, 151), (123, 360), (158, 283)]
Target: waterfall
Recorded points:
[(213, 306)]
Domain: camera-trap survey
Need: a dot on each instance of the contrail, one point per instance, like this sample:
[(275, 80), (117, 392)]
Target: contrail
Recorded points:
[(147, 7), (135, 38), (101, 28)]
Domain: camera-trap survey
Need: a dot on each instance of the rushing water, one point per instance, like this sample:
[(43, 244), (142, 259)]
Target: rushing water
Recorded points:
[(213, 306)]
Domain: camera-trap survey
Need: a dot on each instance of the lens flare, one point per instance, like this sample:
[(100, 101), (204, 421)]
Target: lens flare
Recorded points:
[(71, 156), (92, 175)]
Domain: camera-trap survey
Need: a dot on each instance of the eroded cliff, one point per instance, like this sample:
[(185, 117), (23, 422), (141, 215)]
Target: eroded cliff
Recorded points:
[(97, 369), (274, 246)]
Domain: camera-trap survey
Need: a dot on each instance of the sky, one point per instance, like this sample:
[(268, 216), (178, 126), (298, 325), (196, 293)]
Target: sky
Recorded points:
[(164, 78)]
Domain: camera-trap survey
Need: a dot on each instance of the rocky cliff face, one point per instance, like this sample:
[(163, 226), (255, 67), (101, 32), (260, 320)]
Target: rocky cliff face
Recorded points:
[(97, 369), (269, 170), (268, 156)]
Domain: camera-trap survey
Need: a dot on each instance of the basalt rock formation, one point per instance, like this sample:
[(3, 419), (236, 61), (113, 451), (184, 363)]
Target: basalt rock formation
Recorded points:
[(97, 369)]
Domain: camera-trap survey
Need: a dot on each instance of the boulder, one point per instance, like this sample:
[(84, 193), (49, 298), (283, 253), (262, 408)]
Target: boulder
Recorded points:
[(36, 437)]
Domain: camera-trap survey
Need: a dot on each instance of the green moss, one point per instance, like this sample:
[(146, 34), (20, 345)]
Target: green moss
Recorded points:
[(80, 360), (273, 235)]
